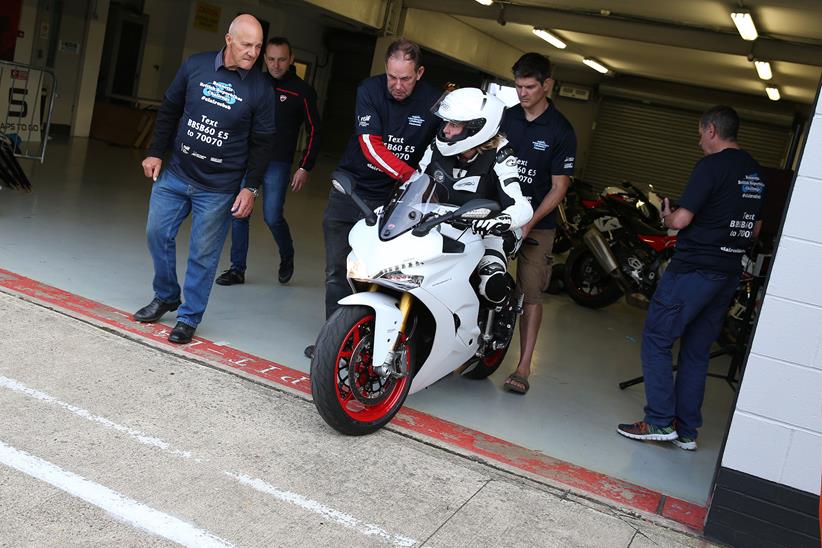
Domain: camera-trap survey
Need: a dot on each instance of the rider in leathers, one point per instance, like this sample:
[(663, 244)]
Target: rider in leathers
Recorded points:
[(473, 160)]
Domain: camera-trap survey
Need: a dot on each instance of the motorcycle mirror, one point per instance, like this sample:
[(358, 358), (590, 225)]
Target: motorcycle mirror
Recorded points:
[(479, 213), (338, 186), (342, 182), (478, 209)]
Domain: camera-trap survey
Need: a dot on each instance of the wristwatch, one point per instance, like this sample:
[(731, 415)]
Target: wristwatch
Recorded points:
[(254, 191)]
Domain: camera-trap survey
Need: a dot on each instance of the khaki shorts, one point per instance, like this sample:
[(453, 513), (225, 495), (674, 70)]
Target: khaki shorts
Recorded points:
[(534, 264)]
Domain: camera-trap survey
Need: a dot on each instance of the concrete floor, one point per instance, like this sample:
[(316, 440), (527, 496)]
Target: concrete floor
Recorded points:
[(82, 230), (107, 442)]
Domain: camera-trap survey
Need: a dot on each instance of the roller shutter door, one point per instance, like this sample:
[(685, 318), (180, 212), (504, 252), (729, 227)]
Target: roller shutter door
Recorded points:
[(652, 144)]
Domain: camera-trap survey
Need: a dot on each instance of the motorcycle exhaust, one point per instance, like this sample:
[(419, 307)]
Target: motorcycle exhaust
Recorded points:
[(602, 252), (605, 257)]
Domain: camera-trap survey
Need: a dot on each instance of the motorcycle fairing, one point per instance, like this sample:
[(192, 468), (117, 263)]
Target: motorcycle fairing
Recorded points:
[(445, 280)]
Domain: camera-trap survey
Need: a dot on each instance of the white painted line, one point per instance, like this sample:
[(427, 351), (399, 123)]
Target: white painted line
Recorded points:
[(145, 439), (258, 484), (119, 506), (318, 508)]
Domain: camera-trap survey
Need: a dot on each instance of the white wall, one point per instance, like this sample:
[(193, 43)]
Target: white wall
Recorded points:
[(89, 69), (453, 38), (776, 430), (167, 25)]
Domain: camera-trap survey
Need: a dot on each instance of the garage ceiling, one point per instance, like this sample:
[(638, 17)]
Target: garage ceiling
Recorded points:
[(686, 41)]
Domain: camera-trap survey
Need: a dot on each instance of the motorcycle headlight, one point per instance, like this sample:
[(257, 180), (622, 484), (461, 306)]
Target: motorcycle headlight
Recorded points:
[(356, 269), (401, 279)]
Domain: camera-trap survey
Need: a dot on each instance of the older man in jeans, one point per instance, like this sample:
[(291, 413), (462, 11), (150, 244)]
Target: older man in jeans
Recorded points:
[(218, 118)]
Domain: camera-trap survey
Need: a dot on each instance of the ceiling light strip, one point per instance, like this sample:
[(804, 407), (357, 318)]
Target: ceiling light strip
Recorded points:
[(596, 65), (550, 38), (773, 93), (744, 24), (763, 69)]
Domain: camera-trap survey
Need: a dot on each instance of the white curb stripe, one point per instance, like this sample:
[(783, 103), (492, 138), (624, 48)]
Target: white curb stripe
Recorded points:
[(145, 439), (319, 508), (296, 499), (121, 507)]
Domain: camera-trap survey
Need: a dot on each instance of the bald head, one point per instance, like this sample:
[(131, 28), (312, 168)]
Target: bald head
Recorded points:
[(243, 42)]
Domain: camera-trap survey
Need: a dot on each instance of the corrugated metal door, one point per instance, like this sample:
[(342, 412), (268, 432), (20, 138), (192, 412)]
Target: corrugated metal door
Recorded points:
[(658, 145)]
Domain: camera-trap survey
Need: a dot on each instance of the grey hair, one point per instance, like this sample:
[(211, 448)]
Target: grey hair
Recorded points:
[(724, 119)]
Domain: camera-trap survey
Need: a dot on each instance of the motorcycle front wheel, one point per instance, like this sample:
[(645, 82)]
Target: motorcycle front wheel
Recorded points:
[(347, 393), (586, 282)]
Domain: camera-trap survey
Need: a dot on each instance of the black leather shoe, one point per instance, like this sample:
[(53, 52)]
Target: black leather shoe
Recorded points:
[(231, 277), (309, 351), (154, 310), (182, 333), (286, 270)]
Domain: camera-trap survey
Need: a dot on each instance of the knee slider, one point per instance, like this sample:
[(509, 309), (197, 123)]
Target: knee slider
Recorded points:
[(493, 284)]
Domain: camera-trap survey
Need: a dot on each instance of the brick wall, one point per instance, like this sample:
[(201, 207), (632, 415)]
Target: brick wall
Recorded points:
[(767, 490)]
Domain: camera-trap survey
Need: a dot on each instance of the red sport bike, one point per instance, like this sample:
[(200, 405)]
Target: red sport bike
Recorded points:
[(624, 250)]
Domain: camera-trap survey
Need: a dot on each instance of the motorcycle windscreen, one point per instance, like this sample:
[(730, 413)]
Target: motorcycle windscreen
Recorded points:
[(421, 199)]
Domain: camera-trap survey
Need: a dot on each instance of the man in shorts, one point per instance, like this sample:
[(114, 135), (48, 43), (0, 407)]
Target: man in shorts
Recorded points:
[(545, 145)]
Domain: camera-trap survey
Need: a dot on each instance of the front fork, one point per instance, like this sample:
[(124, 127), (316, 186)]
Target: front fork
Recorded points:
[(395, 364)]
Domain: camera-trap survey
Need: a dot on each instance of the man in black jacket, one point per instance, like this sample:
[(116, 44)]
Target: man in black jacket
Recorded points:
[(393, 124), (217, 117), (295, 104)]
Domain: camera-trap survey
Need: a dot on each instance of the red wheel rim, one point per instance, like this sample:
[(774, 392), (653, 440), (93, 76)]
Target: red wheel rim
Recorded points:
[(366, 378), (493, 359)]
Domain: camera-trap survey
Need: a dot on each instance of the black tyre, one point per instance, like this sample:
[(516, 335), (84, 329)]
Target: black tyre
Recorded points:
[(348, 395), (586, 282), (562, 243), (486, 366)]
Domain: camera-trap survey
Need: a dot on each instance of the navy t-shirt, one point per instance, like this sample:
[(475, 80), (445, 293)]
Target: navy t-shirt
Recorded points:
[(725, 193), (406, 128), (220, 109), (545, 146)]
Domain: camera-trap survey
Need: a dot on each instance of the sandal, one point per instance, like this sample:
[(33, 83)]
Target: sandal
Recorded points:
[(516, 384)]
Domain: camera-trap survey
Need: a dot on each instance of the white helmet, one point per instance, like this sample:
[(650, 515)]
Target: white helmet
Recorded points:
[(481, 112)]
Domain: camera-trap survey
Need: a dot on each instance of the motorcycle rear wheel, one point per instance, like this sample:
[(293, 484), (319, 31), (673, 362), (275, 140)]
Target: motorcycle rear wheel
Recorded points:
[(586, 282), (345, 336), (487, 365)]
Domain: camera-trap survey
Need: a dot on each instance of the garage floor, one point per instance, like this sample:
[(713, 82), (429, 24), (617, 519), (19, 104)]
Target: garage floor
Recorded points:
[(82, 230)]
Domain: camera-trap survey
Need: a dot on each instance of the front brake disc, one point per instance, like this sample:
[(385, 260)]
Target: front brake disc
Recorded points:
[(365, 384)]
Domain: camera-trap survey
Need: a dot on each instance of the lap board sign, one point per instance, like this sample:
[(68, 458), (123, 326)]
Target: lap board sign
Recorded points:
[(26, 101)]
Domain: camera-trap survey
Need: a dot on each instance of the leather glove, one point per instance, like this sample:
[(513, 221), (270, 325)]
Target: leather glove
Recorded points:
[(495, 225)]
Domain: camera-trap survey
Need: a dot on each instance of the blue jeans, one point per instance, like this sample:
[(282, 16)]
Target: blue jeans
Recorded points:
[(172, 199), (690, 307), (275, 185)]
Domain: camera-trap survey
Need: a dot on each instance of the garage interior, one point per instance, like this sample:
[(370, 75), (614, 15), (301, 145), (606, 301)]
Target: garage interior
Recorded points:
[(82, 227)]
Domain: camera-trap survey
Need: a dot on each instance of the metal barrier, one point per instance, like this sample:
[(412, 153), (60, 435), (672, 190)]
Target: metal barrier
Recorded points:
[(26, 103)]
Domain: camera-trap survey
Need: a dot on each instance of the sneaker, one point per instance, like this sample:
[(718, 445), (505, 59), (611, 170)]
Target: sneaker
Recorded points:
[(688, 444), (643, 431), (231, 277)]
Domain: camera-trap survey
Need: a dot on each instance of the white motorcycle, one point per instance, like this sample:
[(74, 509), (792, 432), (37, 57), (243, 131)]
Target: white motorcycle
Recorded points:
[(415, 315)]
